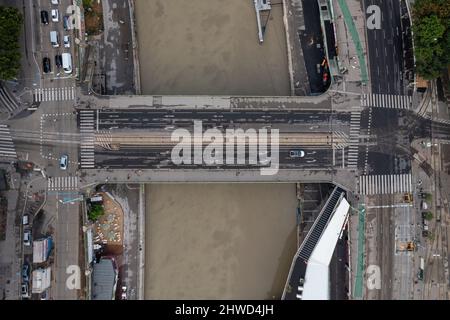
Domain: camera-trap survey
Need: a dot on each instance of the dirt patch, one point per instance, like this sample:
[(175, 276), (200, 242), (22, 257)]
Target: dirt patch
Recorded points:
[(210, 47), (109, 227), (219, 241), (93, 17)]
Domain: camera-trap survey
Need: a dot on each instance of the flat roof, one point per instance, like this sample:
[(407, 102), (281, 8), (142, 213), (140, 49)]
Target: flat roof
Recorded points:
[(317, 283)]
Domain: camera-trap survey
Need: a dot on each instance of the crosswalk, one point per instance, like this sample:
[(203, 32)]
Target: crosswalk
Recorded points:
[(390, 101), (385, 184), (54, 94), (355, 126), (7, 148), (87, 148), (62, 183)]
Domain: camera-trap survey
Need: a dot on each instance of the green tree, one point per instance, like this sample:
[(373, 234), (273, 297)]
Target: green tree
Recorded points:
[(428, 215), (10, 27), (96, 212), (431, 28)]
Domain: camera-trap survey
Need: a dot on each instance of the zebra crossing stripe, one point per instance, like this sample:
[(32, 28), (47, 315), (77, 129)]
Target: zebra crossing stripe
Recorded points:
[(7, 148), (386, 101), (87, 148), (385, 184), (54, 94), (62, 183)]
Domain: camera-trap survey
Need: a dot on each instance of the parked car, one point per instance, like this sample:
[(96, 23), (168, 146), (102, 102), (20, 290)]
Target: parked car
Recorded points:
[(296, 153), (66, 41), (58, 60), (66, 23), (26, 272), (124, 293), (44, 295), (55, 2), (44, 17), (24, 290), (25, 219), (63, 162), (27, 238), (55, 15), (46, 65)]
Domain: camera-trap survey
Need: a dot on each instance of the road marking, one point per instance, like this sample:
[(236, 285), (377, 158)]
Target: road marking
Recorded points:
[(54, 94), (386, 101), (7, 148), (385, 184), (87, 147)]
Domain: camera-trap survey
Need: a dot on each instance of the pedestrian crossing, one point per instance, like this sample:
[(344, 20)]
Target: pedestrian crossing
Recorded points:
[(54, 94), (386, 101), (355, 126), (385, 184), (62, 183), (7, 148), (87, 148)]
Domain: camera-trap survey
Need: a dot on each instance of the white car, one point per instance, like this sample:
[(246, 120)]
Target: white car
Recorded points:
[(55, 2), (66, 42), (27, 238), (124, 293), (55, 15), (63, 162)]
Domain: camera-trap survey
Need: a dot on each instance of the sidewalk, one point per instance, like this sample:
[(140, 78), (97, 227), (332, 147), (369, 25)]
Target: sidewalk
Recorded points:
[(351, 42)]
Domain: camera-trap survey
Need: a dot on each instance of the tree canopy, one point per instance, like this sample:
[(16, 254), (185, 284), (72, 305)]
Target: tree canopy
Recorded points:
[(431, 27), (96, 212), (10, 27)]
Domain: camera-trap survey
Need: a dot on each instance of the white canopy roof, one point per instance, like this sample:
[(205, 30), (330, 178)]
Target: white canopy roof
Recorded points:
[(317, 286)]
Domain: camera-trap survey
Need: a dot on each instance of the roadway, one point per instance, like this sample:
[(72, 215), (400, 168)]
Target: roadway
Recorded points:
[(54, 99)]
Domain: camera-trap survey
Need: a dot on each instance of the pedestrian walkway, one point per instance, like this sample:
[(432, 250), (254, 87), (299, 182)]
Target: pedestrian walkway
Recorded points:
[(7, 149), (353, 30), (87, 148), (54, 94), (355, 126), (386, 101), (385, 184), (62, 183), (359, 278)]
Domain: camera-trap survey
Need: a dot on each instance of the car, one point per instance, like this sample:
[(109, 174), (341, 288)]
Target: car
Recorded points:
[(44, 17), (58, 60), (66, 41), (124, 293), (296, 153), (55, 2), (44, 295), (66, 23), (63, 162), (26, 272), (27, 238), (25, 219), (24, 290), (46, 65), (55, 15)]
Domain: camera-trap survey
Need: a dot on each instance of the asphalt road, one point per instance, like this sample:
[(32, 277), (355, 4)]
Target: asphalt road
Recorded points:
[(386, 49), (149, 119)]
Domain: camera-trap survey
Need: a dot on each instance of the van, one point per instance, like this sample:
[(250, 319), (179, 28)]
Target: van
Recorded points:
[(67, 62), (54, 39), (25, 219), (27, 238)]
